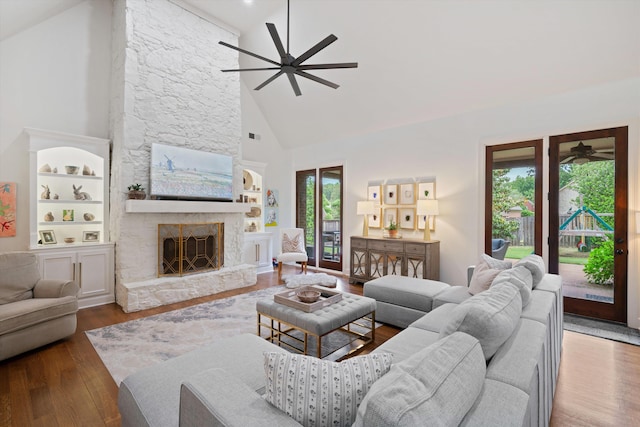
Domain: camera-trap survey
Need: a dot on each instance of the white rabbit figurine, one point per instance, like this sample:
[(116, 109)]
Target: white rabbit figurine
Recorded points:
[(80, 195)]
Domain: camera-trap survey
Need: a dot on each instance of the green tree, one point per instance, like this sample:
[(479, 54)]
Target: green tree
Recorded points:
[(595, 183), (502, 202), (525, 185), (566, 174)]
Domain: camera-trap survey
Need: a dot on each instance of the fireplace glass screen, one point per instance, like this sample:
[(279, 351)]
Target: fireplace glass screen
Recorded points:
[(190, 248)]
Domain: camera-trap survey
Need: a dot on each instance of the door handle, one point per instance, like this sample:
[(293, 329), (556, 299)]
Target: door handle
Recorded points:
[(619, 251), (80, 276), (619, 240)]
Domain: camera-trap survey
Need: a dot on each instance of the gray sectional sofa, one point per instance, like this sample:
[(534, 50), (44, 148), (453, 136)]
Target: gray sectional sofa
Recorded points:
[(491, 359)]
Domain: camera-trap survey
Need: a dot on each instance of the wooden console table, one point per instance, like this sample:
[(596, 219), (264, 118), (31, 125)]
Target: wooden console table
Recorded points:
[(373, 257)]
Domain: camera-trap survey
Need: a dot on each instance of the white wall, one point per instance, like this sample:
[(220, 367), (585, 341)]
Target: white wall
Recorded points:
[(452, 150), (54, 76)]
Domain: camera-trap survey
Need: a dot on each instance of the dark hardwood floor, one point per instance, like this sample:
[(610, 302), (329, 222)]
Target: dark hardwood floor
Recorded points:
[(66, 384)]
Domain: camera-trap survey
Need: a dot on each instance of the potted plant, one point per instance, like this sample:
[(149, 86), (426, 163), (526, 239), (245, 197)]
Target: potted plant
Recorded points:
[(393, 229), (136, 192)]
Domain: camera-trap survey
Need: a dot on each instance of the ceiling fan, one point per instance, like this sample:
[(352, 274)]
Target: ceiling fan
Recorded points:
[(290, 65), (581, 154)]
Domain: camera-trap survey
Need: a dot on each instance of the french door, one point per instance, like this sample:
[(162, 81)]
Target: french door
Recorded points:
[(588, 221), (319, 196)]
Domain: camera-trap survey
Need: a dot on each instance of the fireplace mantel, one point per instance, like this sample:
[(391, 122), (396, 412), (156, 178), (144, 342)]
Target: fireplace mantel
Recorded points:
[(181, 206)]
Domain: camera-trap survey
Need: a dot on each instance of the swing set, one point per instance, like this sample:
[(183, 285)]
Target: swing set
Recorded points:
[(583, 231)]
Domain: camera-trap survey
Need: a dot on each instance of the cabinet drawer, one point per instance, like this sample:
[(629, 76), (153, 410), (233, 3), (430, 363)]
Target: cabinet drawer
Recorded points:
[(415, 248), (384, 245), (358, 243)]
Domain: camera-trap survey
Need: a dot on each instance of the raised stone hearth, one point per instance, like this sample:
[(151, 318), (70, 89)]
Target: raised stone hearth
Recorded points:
[(167, 290)]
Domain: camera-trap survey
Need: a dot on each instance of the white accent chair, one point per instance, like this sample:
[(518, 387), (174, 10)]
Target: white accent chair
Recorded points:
[(293, 249)]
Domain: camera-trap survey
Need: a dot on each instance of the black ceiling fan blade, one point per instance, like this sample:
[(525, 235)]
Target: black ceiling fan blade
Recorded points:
[(276, 40), (294, 84), (249, 53), (328, 66), (315, 49), (270, 79), (317, 79), (252, 69)]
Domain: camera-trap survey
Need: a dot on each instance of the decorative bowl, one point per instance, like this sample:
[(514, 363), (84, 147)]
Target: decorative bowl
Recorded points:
[(308, 296), (69, 239), (72, 170)]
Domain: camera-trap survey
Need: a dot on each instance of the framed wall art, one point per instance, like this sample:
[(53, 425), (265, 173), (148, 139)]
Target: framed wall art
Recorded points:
[(422, 220), (407, 194), (373, 193), (7, 209), (375, 220), (91, 236), (390, 214), (407, 218), (391, 194), (426, 190)]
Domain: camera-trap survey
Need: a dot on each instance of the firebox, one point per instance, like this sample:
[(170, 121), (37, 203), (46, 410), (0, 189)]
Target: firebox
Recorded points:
[(190, 248)]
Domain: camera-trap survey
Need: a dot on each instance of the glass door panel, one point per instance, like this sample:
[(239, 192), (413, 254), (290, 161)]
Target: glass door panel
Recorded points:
[(331, 218), (306, 210), (513, 189)]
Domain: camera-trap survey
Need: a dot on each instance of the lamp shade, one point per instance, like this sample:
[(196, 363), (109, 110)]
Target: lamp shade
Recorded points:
[(365, 207), (427, 207)]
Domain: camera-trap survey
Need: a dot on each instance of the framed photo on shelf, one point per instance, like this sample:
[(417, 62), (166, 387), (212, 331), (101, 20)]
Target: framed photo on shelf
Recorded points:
[(90, 236), (391, 194), (390, 214), (375, 220), (373, 193), (48, 237), (67, 214), (426, 190), (407, 218), (407, 194)]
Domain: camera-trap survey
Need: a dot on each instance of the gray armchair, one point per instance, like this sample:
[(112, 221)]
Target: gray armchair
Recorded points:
[(33, 311), (499, 248)]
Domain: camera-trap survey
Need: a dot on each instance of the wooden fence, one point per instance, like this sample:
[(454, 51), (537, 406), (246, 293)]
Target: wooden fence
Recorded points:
[(524, 235)]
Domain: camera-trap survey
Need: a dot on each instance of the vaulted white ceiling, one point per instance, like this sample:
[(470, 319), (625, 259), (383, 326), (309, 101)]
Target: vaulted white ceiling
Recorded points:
[(419, 60)]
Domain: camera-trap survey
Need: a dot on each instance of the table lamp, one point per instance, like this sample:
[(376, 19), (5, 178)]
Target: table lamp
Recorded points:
[(366, 208), (427, 208)]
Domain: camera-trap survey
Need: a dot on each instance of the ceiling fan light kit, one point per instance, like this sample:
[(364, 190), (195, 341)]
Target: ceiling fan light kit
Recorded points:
[(581, 154), (290, 65)]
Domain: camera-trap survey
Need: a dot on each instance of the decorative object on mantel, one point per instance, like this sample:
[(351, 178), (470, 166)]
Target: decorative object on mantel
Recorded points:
[(136, 192), (71, 170), (86, 170), (290, 65), (88, 216), (80, 195), (427, 207), (365, 208), (45, 168), (48, 217)]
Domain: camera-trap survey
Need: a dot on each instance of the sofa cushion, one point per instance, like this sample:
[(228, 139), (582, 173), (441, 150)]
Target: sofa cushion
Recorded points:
[(436, 319), (499, 404), (495, 263), (521, 278), (407, 343), (319, 392), (482, 278), (434, 387), (490, 316), (18, 275), (535, 264), (404, 291), (29, 312), (453, 294)]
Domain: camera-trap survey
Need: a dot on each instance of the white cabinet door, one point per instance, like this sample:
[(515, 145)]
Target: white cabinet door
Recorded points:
[(257, 250), (250, 252), (90, 267)]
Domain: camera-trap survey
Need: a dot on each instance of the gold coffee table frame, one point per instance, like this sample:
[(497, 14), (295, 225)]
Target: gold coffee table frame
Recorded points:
[(276, 332)]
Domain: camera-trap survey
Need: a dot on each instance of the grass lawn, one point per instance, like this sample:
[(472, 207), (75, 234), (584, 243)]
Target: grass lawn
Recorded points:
[(567, 255)]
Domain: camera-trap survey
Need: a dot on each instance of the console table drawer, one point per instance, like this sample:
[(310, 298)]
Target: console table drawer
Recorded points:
[(415, 248), (385, 245), (358, 243)]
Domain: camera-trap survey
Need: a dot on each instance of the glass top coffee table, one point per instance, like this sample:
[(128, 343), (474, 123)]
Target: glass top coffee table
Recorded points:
[(287, 325)]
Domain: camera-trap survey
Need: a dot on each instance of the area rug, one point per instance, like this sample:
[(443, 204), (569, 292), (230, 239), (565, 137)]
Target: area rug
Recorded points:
[(322, 279), (601, 329), (127, 347)]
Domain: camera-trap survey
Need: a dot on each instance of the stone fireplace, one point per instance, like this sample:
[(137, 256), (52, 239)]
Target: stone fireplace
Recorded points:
[(169, 90)]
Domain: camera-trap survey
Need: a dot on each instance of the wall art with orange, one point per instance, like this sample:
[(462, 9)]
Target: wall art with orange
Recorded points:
[(7, 209)]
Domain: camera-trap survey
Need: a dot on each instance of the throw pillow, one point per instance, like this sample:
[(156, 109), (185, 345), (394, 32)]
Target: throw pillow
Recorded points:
[(490, 317), (521, 278), (436, 386), (482, 277), (295, 244), (318, 392), (535, 264), (495, 263)]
